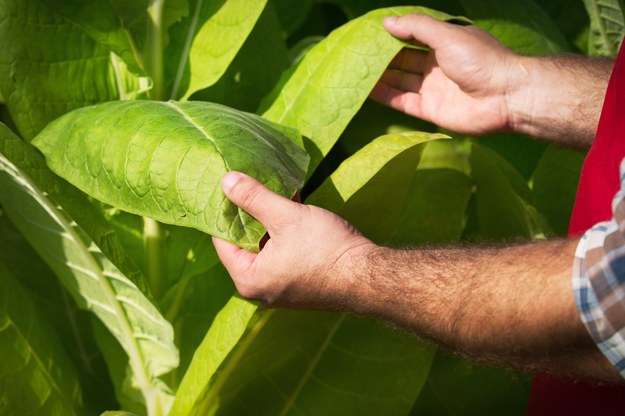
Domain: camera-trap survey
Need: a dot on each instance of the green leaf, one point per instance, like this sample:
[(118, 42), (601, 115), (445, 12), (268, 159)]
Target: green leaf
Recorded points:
[(36, 374), (291, 14), (520, 24), (191, 306), (447, 154), (143, 157), (255, 69), (383, 167), (74, 202), (329, 85), (571, 18), (329, 363), (312, 363), (434, 209), (522, 152), (223, 336), (72, 325), (49, 66), (133, 15), (375, 120), (607, 26), (95, 283), (99, 20), (555, 183), (209, 39), (504, 202), (466, 388)]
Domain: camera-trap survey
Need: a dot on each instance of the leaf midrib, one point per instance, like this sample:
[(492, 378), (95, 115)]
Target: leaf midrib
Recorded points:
[(135, 356)]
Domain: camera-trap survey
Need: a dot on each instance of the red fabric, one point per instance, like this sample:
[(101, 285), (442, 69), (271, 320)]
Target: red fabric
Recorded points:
[(598, 184)]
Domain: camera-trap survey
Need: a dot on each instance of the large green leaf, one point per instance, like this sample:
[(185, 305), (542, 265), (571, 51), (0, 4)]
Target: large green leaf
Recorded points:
[(607, 26), (49, 66), (329, 363), (74, 203), (255, 69), (165, 160), (520, 24), (312, 363), (36, 374), (72, 325), (95, 283), (209, 38), (329, 85), (99, 20), (196, 395)]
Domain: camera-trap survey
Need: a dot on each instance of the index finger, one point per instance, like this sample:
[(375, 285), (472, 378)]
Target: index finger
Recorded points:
[(421, 29)]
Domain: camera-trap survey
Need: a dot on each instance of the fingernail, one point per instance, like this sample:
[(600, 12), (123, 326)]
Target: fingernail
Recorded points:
[(390, 20), (229, 180)]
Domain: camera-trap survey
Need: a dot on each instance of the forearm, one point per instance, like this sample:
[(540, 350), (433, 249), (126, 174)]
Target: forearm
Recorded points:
[(558, 98), (511, 306)]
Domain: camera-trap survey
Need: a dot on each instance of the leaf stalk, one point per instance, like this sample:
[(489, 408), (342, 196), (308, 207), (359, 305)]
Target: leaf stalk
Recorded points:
[(154, 49)]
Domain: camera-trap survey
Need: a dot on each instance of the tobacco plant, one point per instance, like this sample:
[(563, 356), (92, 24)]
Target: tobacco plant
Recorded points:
[(119, 120)]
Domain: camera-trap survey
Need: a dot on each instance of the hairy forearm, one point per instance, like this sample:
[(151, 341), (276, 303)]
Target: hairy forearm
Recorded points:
[(558, 98), (511, 306)]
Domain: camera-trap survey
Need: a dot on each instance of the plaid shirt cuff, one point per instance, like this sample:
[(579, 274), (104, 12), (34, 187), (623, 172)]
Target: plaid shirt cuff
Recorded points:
[(599, 281)]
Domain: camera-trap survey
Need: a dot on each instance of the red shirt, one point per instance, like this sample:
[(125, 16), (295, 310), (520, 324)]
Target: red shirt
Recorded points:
[(598, 184)]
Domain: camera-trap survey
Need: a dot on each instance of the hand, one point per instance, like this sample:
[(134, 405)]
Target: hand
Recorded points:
[(461, 83), (309, 260)]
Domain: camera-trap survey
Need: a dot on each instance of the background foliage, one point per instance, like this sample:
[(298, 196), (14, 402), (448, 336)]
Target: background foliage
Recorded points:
[(102, 310)]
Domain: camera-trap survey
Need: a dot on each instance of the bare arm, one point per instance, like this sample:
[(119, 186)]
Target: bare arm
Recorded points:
[(467, 81), (512, 306)]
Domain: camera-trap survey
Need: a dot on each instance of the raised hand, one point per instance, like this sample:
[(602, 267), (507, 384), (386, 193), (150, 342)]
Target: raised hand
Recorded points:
[(461, 82), (465, 80)]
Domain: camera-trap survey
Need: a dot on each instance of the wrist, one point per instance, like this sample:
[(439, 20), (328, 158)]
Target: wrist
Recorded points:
[(557, 98), (355, 273)]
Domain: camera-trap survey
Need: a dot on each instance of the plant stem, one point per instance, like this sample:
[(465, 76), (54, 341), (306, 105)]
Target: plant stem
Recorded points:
[(153, 236), (155, 264), (154, 49)]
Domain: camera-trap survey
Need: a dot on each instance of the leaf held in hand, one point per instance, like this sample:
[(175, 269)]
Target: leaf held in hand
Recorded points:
[(165, 160)]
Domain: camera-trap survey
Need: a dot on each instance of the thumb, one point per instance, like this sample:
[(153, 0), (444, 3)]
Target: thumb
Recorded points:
[(236, 260), (257, 200)]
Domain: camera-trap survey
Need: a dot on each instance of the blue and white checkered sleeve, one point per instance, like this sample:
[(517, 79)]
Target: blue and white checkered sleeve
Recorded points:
[(599, 281)]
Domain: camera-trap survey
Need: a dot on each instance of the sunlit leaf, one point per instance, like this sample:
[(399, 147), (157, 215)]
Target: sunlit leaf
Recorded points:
[(329, 85), (165, 160), (209, 38), (223, 336), (254, 70), (36, 374), (95, 283)]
